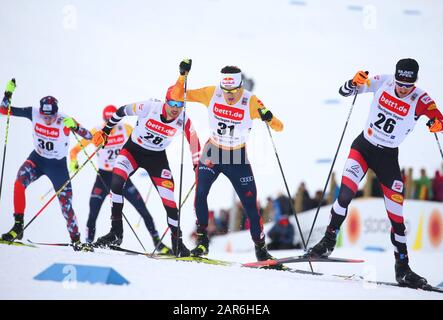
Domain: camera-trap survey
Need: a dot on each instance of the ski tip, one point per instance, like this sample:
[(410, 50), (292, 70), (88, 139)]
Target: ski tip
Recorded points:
[(258, 264)]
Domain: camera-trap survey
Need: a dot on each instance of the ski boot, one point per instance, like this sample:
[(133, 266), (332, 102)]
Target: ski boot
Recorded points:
[(161, 247), (113, 238), (262, 254), (16, 232), (405, 276), (202, 248), (326, 245), (78, 246), (178, 248), (90, 235)]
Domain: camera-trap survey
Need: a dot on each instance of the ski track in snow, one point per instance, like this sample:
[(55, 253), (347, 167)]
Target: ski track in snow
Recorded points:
[(159, 280)]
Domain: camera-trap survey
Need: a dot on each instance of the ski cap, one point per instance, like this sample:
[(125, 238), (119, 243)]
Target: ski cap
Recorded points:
[(231, 77), (169, 95), (406, 70), (108, 111), (232, 80), (48, 106)]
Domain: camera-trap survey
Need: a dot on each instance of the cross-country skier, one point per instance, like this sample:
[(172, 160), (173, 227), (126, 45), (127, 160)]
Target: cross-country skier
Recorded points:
[(394, 111), (106, 159), (231, 111), (51, 131), (157, 124)]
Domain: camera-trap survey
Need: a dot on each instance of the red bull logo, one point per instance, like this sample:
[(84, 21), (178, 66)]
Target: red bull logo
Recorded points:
[(228, 81)]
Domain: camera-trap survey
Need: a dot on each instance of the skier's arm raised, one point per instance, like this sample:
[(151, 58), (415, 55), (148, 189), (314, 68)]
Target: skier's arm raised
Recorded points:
[(361, 82), (133, 109)]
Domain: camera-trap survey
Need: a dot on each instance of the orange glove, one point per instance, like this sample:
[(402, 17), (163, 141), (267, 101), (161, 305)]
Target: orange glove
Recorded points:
[(99, 139), (435, 125), (360, 78)]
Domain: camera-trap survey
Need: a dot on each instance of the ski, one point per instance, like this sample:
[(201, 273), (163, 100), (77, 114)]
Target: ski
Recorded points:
[(172, 257), (50, 244), (16, 243), (296, 259), (427, 287)]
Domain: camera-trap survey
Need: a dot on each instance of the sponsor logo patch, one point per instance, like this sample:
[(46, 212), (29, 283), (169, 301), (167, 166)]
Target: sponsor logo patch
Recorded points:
[(160, 128), (46, 131), (426, 99), (393, 104), (168, 184), (397, 198), (246, 179), (115, 140), (166, 174), (397, 186), (228, 112)]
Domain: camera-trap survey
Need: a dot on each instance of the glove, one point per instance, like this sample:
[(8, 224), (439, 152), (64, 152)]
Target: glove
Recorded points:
[(10, 87), (360, 78), (70, 123), (265, 114), (195, 167), (99, 139), (185, 66), (435, 125), (73, 165)]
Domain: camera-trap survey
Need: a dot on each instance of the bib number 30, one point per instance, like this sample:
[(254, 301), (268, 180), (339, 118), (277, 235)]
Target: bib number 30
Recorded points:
[(45, 145)]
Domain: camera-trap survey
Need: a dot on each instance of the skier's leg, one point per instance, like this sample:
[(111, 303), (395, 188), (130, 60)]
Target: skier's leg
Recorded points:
[(125, 165), (355, 169), (27, 174), (158, 168), (98, 194), (389, 174), (57, 172), (134, 197), (206, 175)]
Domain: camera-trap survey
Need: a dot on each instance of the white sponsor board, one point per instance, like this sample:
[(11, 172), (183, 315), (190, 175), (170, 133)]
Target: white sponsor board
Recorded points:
[(366, 226)]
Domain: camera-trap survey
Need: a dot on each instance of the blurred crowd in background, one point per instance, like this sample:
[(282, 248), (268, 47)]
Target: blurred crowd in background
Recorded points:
[(278, 209)]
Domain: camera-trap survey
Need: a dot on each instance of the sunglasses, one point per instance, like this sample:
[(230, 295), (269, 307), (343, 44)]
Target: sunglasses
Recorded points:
[(177, 104), (48, 117), (404, 84), (234, 90)]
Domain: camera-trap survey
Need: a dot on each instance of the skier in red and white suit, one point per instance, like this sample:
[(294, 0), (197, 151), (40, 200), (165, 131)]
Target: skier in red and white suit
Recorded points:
[(157, 124), (395, 109)]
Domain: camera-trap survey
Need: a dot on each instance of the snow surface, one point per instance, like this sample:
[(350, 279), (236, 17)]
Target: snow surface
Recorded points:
[(172, 280)]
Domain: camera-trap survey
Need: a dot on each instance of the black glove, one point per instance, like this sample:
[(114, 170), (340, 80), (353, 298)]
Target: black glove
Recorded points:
[(265, 114), (431, 122), (185, 66)]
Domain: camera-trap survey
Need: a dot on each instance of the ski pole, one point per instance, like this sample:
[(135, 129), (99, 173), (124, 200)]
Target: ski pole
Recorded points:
[(146, 201), (332, 167), (46, 194), (181, 159), (59, 190), (164, 233), (106, 186), (438, 143), (7, 101), (287, 190)]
